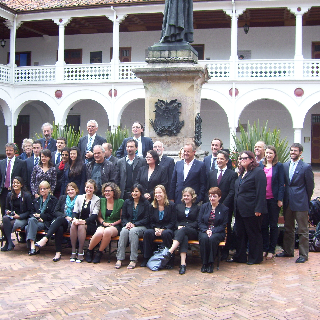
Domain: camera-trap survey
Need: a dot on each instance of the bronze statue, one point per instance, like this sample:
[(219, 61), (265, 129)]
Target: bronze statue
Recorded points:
[(177, 23)]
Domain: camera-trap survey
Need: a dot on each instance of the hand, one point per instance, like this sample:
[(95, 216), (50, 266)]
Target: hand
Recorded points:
[(80, 221), (147, 196), (158, 232), (36, 215), (68, 218), (129, 225), (36, 196), (40, 220), (89, 155), (209, 233), (16, 216), (280, 203), (257, 214), (75, 222), (180, 227)]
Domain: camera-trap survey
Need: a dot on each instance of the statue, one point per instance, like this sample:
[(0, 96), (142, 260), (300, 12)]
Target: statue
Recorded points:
[(177, 23)]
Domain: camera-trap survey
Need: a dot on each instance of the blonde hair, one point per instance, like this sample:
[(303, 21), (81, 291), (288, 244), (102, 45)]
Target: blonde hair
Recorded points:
[(45, 184), (166, 200), (192, 193)]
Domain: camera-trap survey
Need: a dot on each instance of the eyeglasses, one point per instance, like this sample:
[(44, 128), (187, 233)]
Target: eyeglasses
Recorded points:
[(108, 191), (149, 157), (244, 158), (42, 189)]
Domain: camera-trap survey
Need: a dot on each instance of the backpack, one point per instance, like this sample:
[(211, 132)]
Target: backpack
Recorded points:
[(314, 240), (314, 211)]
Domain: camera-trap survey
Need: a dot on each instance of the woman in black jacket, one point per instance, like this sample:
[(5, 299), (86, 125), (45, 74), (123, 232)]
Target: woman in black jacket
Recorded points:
[(213, 218), (162, 221), (18, 208), (62, 223), (41, 216), (186, 225), (134, 219)]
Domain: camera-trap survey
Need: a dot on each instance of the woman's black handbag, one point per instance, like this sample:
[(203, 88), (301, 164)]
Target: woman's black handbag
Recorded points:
[(159, 259)]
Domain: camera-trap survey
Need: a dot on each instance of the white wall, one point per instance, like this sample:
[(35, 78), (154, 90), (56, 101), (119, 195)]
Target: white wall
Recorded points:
[(133, 112)]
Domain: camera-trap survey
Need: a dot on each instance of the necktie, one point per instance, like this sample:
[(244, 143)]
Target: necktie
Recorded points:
[(7, 182), (37, 161), (220, 176), (46, 144), (213, 163), (58, 158), (89, 144), (291, 171)]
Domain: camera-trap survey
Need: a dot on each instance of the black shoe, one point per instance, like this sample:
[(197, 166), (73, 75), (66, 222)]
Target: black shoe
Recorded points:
[(144, 262), (301, 260), (10, 247), (210, 268), (182, 269), (170, 263), (97, 257), (56, 259), (5, 247), (250, 263), (204, 268), (284, 255), (231, 260), (32, 252), (89, 256)]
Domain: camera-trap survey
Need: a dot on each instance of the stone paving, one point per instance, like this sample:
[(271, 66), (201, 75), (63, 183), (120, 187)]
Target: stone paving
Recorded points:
[(37, 288)]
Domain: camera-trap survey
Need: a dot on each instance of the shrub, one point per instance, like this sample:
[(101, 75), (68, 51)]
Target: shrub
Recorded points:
[(116, 138)]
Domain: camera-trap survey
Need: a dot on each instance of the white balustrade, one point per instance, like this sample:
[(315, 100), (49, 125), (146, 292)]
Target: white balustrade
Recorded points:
[(4, 74), (91, 72), (311, 69), (34, 74), (125, 70), (217, 69)]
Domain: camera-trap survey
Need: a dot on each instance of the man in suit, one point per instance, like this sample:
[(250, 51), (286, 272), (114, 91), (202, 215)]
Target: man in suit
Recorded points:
[(56, 155), (47, 142), (100, 170), (188, 173), (165, 161), (299, 184), (10, 168), (33, 161), (144, 143), (108, 153), (210, 161), (128, 168), (87, 142), (224, 179), (259, 151)]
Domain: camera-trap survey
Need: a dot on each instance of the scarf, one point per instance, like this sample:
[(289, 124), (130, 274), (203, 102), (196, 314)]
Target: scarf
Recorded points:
[(43, 205), (68, 209)]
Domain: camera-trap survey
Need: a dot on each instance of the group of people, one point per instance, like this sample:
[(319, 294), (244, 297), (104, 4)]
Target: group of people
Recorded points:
[(142, 193)]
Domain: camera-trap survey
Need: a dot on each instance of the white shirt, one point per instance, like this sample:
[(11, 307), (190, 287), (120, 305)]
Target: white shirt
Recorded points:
[(139, 146), (223, 171), (186, 168)]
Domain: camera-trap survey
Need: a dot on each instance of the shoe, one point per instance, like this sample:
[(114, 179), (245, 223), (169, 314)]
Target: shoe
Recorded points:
[(210, 268), (284, 255), (166, 253), (89, 256), (73, 257), (10, 247), (144, 262), (131, 265), (32, 252), (56, 259), (97, 257), (301, 260), (204, 268), (170, 263), (80, 257), (5, 247), (231, 260), (270, 256), (182, 269), (250, 263), (118, 264)]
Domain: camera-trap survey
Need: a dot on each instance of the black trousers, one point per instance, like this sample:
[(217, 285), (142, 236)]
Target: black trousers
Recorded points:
[(58, 227), (183, 235), (209, 246), (248, 230), (149, 236), (3, 197)]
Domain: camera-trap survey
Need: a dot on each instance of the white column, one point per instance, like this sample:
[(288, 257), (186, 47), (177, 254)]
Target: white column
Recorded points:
[(232, 131), (297, 135), (10, 133), (116, 19)]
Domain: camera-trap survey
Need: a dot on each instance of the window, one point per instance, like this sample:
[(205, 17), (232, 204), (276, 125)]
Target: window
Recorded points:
[(315, 50), (22, 58), (124, 54), (96, 57), (200, 49), (73, 56)]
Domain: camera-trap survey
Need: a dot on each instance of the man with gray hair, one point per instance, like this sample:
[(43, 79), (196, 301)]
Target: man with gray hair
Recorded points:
[(47, 142), (101, 170), (87, 142)]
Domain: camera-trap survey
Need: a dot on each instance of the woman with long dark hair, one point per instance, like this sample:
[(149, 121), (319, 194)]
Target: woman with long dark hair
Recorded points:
[(250, 204), (60, 167), (75, 171), (44, 171), (18, 209)]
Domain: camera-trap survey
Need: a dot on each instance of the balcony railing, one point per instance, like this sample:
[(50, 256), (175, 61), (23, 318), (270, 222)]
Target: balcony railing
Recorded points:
[(218, 70)]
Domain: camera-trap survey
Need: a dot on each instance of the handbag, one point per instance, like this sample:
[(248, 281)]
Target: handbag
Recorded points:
[(159, 259)]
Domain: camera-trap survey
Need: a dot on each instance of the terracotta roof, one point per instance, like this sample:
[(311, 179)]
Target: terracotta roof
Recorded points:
[(30, 5)]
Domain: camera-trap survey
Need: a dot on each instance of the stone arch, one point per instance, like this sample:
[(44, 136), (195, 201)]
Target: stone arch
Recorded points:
[(306, 105)]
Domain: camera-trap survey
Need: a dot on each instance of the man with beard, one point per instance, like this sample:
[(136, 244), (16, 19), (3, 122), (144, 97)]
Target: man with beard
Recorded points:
[(47, 142)]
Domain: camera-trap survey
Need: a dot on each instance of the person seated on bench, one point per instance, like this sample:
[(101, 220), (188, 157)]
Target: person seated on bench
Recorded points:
[(186, 225), (62, 223), (212, 221), (162, 222), (18, 208), (134, 219), (85, 214), (42, 214), (108, 219)]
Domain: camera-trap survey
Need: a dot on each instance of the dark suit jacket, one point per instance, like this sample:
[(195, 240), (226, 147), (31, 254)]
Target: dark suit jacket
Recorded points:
[(121, 167), (196, 179), (299, 190), (113, 160), (147, 145), (59, 208), (158, 176), (29, 165), (207, 162), (226, 186), (19, 169), (79, 179), (25, 205), (221, 218), (168, 163), (49, 214), (169, 217), (277, 181), (52, 144), (82, 145), (250, 193), (191, 221), (53, 158), (142, 216)]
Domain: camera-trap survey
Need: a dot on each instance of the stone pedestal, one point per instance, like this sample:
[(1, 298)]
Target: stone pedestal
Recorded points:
[(173, 73)]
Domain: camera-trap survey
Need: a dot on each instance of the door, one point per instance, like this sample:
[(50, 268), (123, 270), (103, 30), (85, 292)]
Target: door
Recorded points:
[(21, 130), (315, 138)]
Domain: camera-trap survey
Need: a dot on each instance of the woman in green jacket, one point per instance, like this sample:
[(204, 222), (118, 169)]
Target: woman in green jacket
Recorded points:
[(109, 219)]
